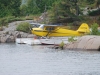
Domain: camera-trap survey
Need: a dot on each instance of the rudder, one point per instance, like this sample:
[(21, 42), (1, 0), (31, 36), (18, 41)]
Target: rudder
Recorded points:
[(84, 28)]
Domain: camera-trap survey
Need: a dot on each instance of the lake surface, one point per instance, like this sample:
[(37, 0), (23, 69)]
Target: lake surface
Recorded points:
[(22, 59)]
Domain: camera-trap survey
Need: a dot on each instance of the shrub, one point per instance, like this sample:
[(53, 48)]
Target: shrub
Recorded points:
[(94, 29), (19, 19), (3, 22), (12, 18), (24, 26), (71, 39)]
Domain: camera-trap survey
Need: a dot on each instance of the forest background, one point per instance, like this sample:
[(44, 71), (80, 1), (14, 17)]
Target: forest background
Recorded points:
[(59, 11)]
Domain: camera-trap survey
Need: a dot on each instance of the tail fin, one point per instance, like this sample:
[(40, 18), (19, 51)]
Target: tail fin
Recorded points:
[(84, 28)]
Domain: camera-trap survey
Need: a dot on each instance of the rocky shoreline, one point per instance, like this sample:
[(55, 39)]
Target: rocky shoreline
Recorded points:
[(88, 42), (9, 34)]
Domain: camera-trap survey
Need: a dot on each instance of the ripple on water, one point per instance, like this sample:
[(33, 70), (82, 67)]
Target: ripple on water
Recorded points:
[(22, 59)]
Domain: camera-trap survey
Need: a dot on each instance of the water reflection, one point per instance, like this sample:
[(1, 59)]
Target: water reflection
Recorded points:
[(23, 59)]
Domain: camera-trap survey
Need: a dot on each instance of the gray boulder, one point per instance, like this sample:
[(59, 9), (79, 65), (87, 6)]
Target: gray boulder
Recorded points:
[(88, 42)]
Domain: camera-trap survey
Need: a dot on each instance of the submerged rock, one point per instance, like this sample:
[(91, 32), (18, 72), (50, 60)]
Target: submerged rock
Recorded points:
[(88, 42)]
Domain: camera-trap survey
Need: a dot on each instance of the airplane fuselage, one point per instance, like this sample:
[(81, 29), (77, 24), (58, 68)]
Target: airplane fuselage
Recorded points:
[(57, 32)]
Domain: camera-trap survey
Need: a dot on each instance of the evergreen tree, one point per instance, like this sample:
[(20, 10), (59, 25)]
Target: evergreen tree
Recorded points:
[(9, 7), (23, 10), (37, 6), (62, 11), (98, 4), (90, 1)]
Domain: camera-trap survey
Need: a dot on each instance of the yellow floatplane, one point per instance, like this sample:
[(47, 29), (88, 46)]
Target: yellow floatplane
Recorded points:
[(60, 31)]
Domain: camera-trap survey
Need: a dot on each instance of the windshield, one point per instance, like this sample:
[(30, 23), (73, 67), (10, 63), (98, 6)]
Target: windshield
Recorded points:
[(42, 26)]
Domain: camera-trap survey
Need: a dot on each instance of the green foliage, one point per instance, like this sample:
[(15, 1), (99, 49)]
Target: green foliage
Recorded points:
[(24, 26), (13, 18), (10, 18), (94, 28), (18, 19), (23, 10), (36, 6), (94, 13), (71, 39), (64, 11), (3, 22), (61, 45), (9, 7), (60, 10), (32, 7), (90, 1)]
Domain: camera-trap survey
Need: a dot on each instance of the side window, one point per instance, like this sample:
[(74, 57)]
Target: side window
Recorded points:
[(47, 28), (50, 28), (53, 28)]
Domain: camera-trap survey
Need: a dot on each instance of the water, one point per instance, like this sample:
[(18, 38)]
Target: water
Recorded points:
[(22, 59)]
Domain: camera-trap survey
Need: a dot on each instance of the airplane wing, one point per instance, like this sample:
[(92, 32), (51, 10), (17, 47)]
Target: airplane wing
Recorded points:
[(51, 25)]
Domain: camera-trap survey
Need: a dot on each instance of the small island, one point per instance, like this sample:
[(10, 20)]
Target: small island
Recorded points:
[(15, 19)]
